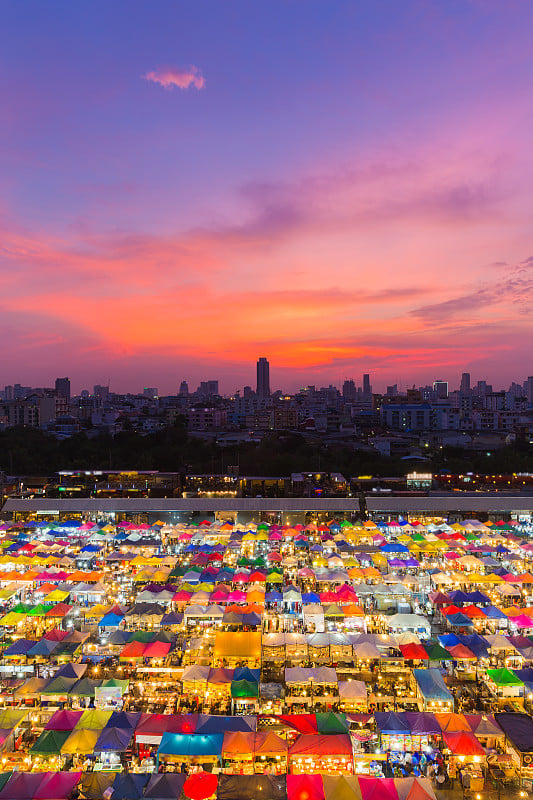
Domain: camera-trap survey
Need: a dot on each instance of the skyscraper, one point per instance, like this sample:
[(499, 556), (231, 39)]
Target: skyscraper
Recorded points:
[(465, 383), (63, 388), (367, 389), (441, 389), (529, 384), (263, 378)]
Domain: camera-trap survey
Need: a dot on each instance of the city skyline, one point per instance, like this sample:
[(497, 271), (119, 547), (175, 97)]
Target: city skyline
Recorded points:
[(363, 384), (346, 189)]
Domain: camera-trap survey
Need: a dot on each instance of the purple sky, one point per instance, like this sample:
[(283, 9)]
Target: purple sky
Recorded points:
[(342, 187)]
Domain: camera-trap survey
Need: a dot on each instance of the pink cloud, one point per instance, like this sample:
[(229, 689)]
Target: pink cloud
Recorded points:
[(182, 77)]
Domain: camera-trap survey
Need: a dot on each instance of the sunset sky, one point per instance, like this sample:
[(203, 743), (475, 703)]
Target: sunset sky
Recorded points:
[(342, 187)]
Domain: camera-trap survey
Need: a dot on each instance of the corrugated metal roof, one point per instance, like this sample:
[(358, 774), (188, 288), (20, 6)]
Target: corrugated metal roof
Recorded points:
[(151, 504), (453, 502), (490, 503)]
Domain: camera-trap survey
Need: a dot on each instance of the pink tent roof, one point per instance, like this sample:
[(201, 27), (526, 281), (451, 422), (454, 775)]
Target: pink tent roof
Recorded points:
[(378, 788), (57, 785)]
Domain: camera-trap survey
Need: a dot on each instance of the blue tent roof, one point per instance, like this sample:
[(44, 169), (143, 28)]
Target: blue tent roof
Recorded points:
[(394, 547), (20, 647), (246, 674), (431, 684), (191, 744), (129, 786), (208, 723), (273, 597), (42, 648), (459, 596), (392, 722), (460, 621), (110, 621), (493, 612), (310, 597), (476, 644), (114, 739), (449, 639), (478, 597)]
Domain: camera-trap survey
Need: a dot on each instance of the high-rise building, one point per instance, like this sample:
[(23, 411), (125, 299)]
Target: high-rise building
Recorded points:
[(529, 383), (63, 388), (151, 392), (208, 388), (441, 389), (263, 378), (184, 389), (465, 383), (367, 389), (101, 392), (349, 391)]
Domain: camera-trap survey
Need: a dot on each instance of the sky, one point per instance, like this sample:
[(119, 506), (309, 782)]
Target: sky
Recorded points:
[(342, 187)]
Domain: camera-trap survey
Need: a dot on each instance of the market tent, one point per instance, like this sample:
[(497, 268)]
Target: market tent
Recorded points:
[(166, 786), (353, 690), (191, 745), (452, 723), (330, 722), (22, 785), (50, 743), (252, 787), (341, 787), (414, 789), (422, 723), (80, 741), (313, 744), (269, 744), (517, 727), (431, 685), (244, 688), (124, 719), (504, 677), (378, 788), (237, 743), (463, 743), (484, 725), (114, 739), (64, 719), (56, 785), (93, 719), (392, 722), (301, 787), (237, 645), (200, 785), (129, 786), (217, 723)]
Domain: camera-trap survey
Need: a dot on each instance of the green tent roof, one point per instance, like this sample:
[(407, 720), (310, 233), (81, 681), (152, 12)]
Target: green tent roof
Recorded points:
[(436, 652), (244, 689), (329, 722), (50, 743), (504, 677), (39, 610)]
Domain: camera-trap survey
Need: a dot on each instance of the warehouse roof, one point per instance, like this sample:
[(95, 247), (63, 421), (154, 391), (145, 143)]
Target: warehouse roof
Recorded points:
[(444, 503)]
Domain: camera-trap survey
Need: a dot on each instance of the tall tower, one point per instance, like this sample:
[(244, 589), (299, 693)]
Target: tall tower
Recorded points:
[(263, 378), (63, 388), (367, 389), (465, 383)]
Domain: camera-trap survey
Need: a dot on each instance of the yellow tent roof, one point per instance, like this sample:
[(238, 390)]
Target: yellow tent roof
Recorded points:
[(57, 596), (12, 619), (11, 717), (81, 741), (341, 787), (238, 644), (93, 719)]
